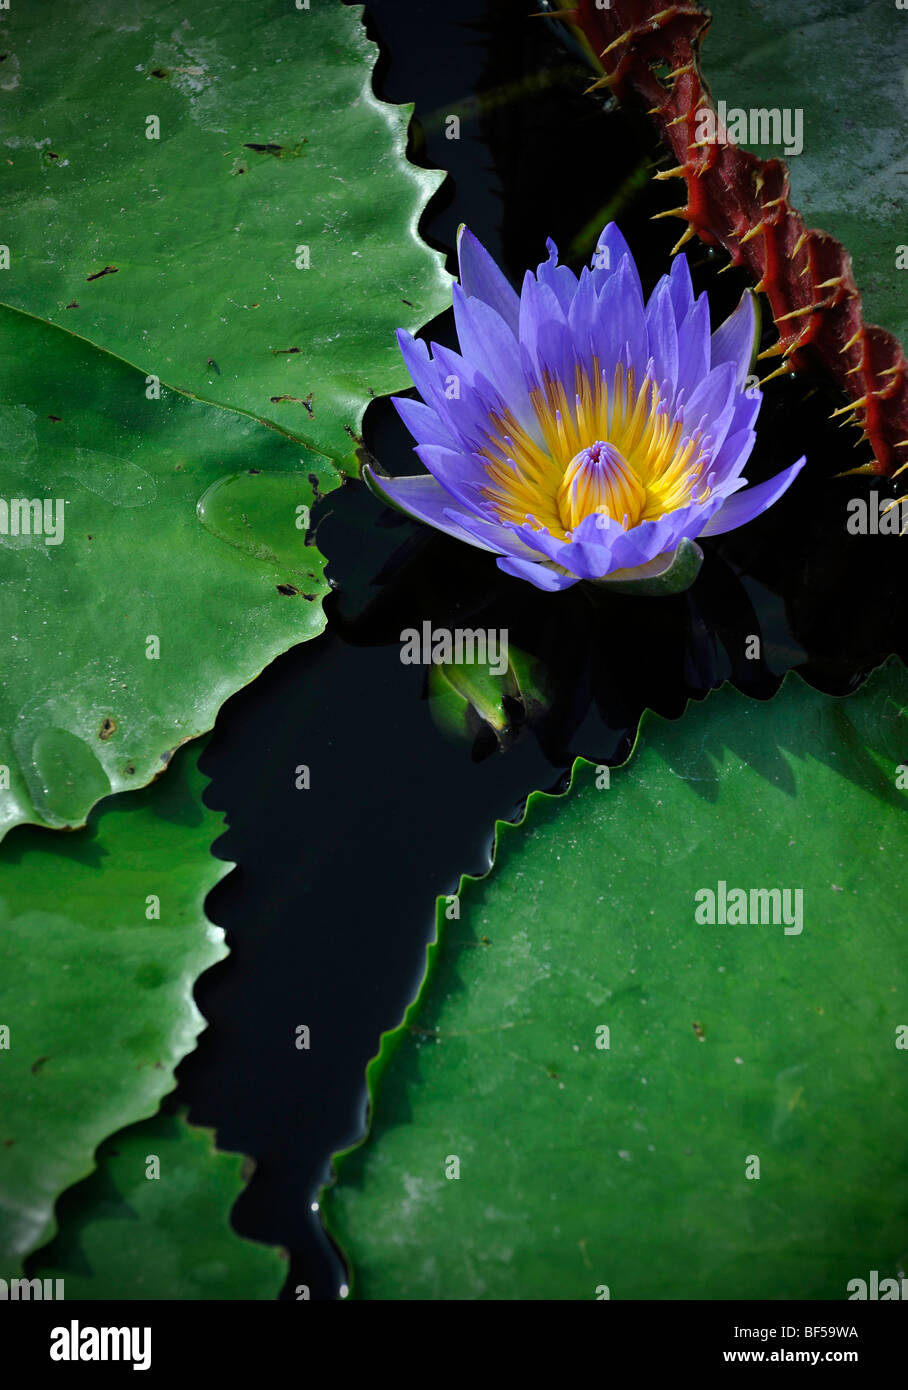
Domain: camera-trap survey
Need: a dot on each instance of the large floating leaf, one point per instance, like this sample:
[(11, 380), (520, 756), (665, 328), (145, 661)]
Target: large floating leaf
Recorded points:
[(88, 702), (96, 1004), (585, 1167), (838, 76), (180, 252), (153, 1222)]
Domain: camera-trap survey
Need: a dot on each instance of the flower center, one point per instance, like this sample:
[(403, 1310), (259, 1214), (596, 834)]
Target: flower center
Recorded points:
[(600, 479), (642, 465)]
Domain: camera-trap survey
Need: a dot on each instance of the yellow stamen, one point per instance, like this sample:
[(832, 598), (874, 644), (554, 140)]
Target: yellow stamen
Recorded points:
[(609, 447)]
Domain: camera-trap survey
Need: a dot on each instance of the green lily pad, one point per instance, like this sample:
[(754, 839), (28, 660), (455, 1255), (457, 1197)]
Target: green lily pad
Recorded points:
[(102, 937), (597, 1095), (180, 571), (140, 1228), (183, 246), (834, 72)]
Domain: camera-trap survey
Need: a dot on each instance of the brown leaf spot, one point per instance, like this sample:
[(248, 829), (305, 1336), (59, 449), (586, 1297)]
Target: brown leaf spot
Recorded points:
[(297, 400)]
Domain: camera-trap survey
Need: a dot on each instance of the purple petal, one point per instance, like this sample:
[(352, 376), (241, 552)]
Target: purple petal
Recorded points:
[(467, 399), (662, 333), (648, 540), (423, 372), (620, 321), (538, 574), (423, 423), (736, 419), (693, 347), (711, 397), (462, 475), (542, 541), (424, 499), (611, 250), (481, 279), (729, 461), (489, 345), (580, 559), (736, 339), (582, 316), (746, 410), (493, 535), (546, 346), (744, 506), (558, 278), (682, 289)]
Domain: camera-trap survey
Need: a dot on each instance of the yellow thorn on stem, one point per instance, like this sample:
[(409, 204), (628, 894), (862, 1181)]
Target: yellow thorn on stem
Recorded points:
[(900, 470), (854, 405), (861, 468), (799, 243), (672, 212), (799, 313), (747, 235), (616, 43), (892, 371), (685, 236), (855, 337), (656, 20), (678, 173), (760, 286), (779, 371), (775, 351)]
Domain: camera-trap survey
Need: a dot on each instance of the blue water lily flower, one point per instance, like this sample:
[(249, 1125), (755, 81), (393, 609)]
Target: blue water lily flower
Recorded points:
[(583, 433)]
